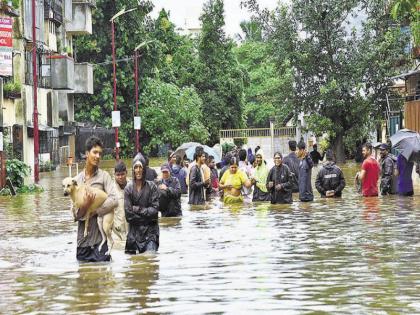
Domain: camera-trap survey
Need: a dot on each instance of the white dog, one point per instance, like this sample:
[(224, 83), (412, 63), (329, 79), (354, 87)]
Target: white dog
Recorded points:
[(77, 194)]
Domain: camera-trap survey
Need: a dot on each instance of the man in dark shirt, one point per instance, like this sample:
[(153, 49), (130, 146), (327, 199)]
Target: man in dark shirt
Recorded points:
[(305, 173), (387, 170), (330, 180), (292, 161), (315, 155)]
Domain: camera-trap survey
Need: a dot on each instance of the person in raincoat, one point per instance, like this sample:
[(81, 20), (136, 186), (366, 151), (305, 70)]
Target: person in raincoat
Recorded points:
[(141, 204), (292, 161), (120, 226), (405, 180), (259, 180), (180, 173), (305, 173), (387, 163), (279, 181), (197, 185), (169, 194), (232, 182), (330, 180)]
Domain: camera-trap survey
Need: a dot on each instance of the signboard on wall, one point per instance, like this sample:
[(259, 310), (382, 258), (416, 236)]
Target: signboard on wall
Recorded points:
[(6, 46)]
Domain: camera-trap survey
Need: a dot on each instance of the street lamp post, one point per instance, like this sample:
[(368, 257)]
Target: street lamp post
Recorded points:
[(123, 11), (35, 96), (136, 80)]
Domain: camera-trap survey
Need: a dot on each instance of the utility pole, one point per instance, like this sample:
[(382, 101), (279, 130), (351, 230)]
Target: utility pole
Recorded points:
[(35, 95)]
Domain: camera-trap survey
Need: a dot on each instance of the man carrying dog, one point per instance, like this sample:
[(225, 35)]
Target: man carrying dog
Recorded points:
[(87, 247)]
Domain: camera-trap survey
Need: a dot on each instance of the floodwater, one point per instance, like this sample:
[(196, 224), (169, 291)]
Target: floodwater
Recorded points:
[(349, 255)]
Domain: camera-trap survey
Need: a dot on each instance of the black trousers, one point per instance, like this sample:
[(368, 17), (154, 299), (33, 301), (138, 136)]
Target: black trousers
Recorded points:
[(92, 254), (151, 246)]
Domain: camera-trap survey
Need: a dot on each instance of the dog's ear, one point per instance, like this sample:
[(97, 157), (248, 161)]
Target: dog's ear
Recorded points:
[(74, 182)]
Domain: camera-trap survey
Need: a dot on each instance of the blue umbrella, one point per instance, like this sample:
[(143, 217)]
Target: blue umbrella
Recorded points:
[(210, 151)]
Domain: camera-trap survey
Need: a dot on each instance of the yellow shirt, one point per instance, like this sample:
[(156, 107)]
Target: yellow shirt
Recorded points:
[(236, 180)]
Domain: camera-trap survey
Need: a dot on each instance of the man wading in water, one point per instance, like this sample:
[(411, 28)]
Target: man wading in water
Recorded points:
[(87, 247), (141, 203)]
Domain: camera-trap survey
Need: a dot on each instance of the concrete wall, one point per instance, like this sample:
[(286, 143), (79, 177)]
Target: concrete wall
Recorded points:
[(280, 144)]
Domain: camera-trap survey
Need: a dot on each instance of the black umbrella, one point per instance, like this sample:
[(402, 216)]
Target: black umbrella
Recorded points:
[(408, 143)]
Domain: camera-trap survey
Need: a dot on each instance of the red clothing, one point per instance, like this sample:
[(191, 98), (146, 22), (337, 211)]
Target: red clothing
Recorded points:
[(370, 181)]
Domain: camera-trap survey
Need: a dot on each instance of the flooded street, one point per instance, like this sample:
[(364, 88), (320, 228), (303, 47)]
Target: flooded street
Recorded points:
[(349, 255)]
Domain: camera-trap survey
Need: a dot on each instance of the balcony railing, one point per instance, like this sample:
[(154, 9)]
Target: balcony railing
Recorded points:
[(53, 10)]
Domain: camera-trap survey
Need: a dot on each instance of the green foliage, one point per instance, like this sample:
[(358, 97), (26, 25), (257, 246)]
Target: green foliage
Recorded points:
[(220, 79), (12, 87), (17, 171), (408, 11), (252, 31), (340, 73), (267, 90), (29, 189), (172, 114)]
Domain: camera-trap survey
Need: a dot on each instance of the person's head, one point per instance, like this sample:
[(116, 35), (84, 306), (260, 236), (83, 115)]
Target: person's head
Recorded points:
[(186, 163), (94, 148), (166, 172), (207, 158), (257, 148), (259, 157), (120, 171), (383, 150), (178, 160), (199, 155), (329, 155), (315, 147), (292, 145), (233, 165), (170, 154), (211, 163), (139, 168), (301, 149), (278, 159), (172, 159), (146, 161), (242, 155), (367, 150)]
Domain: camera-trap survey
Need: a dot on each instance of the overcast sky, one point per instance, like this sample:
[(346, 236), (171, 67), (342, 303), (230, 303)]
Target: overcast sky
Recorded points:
[(188, 11)]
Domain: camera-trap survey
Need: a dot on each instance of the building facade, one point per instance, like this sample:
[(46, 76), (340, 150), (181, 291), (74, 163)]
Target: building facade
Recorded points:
[(59, 76)]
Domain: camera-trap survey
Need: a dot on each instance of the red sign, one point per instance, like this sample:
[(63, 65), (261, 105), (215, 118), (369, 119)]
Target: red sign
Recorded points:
[(6, 46)]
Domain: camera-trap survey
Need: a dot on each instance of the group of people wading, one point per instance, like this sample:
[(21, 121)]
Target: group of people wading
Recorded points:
[(243, 178)]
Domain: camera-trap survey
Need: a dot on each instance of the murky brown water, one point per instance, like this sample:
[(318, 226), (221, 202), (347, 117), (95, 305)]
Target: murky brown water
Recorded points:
[(350, 255)]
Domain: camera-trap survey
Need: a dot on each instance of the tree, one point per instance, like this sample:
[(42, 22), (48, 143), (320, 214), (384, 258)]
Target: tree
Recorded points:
[(219, 76), (252, 31), (408, 10), (172, 114), (266, 92), (340, 71)]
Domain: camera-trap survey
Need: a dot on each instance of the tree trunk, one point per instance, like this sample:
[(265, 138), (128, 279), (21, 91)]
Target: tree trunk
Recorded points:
[(338, 148)]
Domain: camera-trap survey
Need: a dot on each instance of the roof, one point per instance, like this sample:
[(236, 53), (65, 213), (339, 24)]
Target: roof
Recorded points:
[(406, 75)]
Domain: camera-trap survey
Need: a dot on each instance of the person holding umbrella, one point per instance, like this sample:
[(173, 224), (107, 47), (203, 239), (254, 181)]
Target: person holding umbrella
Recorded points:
[(405, 181)]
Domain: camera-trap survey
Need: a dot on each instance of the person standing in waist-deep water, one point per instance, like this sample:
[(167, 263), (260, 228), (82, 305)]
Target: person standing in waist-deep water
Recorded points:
[(259, 180), (197, 185), (330, 180), (292, 161), (232, 182), (180, 173), (214, 177), (141, 203), (169, 194), (387, 164), (92, 175), (405, 180), (315, 155), (279, 181), (370, 172), (305, 173), (120, 226)]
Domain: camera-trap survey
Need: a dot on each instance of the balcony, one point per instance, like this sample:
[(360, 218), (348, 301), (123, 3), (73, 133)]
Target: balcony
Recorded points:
[(68, 7), (81, 23), (83, 78), (53, 11), (62, 72)]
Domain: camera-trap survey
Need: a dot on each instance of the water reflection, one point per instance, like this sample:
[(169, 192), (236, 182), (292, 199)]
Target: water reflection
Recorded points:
[(349, 255)]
